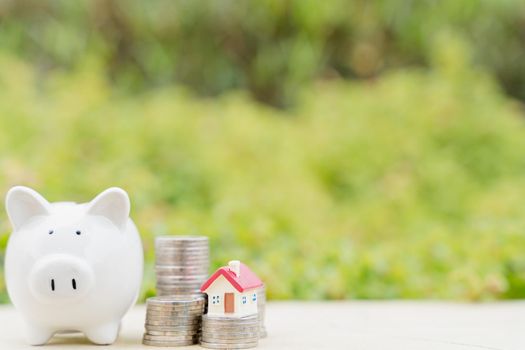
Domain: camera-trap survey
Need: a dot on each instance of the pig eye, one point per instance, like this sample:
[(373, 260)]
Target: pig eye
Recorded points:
[(51, 232), (78, 232)]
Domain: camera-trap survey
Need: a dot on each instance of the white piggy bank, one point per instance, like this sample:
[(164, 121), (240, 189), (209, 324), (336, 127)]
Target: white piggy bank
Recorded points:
[(72, 266)]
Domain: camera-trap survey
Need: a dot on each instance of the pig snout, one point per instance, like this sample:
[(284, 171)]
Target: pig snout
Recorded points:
[(60, 277)]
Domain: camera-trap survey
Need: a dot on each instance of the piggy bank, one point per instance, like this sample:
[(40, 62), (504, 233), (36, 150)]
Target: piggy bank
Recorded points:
[(72, 267)]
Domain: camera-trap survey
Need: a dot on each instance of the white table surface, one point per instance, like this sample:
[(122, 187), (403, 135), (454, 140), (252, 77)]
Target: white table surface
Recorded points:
[(340, 325)]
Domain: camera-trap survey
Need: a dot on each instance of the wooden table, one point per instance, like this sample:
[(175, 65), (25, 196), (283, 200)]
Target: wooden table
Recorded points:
[(341, 325)]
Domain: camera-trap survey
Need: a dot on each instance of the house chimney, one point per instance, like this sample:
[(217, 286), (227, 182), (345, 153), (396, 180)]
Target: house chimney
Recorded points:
[(235, 267)]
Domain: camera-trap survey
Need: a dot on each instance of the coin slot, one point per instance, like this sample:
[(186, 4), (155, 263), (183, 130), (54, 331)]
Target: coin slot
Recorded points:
[(53, 285), (74, 283)]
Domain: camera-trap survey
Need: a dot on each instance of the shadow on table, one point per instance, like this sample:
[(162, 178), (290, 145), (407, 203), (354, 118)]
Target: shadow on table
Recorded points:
[(79, 339)]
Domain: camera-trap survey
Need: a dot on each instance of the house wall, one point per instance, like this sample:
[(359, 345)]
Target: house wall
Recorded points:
[(250, 308), (221, 286)]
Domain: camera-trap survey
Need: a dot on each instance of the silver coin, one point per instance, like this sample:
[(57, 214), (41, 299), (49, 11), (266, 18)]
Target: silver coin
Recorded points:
[(179, 269), (172, 322), (181, 243), (231, 319), (179, 289), (193, 263), (182, 279), (229, 346), (197, 271), (201, 264), (170, 331), (188, 248), (168, 261), (175, 301), (179, 336), (230, 332), (201, 269), (186, 330), (176, 327), (182, 272), (233, 331), (183, 326), (183, 246), (174, 267), (184, 256), (229, 324), (174, 313), (230, 341), (154, 309), (183, 252), (214, 323), (177, 283), (186, 275), (178, 286), (167, 318), (179, 238), (176, 307), (170, 326), (230, 336), (169, 337), (170, 344), (181, 276), (166, 292), (192, 327), (189, 254), (178, 280)]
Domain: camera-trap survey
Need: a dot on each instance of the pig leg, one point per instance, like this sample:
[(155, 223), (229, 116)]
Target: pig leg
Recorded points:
[(37, 335), (103, 334)]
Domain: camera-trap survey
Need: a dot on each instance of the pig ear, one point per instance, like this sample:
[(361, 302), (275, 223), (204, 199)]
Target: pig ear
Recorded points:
[(113, 204), (23, 203)]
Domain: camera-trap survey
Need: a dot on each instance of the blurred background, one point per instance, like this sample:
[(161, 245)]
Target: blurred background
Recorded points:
[(341, 149)]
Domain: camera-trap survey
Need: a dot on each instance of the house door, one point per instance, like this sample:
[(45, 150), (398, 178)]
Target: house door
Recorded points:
[(229, 303)]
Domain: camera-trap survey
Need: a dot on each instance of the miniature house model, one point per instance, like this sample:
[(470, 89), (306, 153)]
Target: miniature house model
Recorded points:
[(232, 291)]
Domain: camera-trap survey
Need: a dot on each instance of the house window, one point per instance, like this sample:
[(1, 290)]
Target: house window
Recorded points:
[(215, 299), (254, 297), (244, 299)]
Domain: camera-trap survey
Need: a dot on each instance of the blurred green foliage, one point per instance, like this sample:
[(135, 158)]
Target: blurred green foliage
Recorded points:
[(270, 47), (408, 186)]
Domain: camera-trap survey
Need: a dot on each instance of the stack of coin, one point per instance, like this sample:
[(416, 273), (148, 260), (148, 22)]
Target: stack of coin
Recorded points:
[(261, 310), (173, 321), (182, 264), (230, 332)]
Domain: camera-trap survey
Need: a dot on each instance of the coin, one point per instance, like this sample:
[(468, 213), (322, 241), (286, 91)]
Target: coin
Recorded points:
[(175, 332), (187, 327), (174, 311), (169, 343), (229, 346), (174, 300), (169, 337), (174, 317), (230, 337)]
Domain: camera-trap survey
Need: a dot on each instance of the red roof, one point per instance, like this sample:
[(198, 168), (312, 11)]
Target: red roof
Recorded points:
[(246, 280)]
